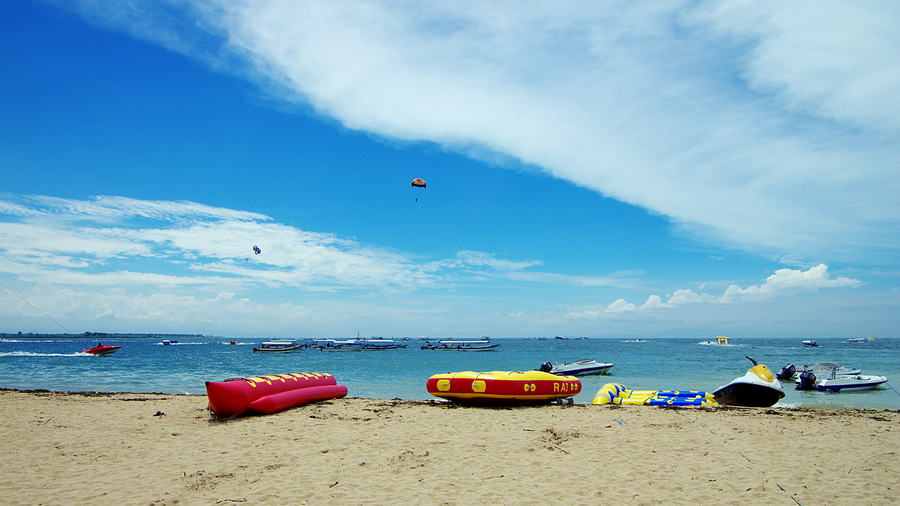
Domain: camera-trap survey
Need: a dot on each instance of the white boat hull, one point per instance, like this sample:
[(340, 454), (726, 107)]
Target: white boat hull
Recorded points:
[(581, 368), (850, 383)]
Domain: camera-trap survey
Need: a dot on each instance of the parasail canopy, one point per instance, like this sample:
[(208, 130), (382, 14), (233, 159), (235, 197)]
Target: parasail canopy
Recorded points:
[(418, 183)]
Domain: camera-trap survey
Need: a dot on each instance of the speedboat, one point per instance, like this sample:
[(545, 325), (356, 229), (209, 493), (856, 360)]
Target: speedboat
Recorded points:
[(836, 382), (860, 339), (758, 389), (857, 382), (583, 367), (168, 342), (791, 372), (808, 343), (279, 347), (101, 350)]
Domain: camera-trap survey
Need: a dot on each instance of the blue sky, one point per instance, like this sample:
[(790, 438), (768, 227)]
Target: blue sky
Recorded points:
[(689, 169)]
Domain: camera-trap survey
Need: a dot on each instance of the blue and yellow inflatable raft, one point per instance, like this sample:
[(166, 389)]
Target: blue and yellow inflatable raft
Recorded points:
[(615, 393)]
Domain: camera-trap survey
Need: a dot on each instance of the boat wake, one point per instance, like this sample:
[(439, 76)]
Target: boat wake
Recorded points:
[(30, 354)]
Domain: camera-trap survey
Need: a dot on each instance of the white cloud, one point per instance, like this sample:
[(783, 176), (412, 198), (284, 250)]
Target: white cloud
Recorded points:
[(620, 306), (687, 296), (789, 282), (111, 241), (820, 57), (769, 126), (785, 282), (654, 302)]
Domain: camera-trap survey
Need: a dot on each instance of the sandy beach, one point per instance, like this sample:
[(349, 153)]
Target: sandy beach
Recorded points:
[(156, 449)]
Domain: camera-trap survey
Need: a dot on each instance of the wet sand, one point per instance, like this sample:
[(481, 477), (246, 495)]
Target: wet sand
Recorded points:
[(155, 449)]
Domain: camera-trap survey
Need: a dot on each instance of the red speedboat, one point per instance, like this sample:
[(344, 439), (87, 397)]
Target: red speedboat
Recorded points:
[(101, 350)]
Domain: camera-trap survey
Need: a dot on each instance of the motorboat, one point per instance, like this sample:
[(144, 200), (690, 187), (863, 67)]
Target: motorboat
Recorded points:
[(808, 343), (168, 342), (452, 344), (791, 372), (758, 388), (857, 382), (285, 346), (583, 367), (857, 340), (836, 382), (101, 350)]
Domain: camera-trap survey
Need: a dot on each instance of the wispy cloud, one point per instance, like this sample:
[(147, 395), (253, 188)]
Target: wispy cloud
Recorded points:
[(768, 126), (113, 241)]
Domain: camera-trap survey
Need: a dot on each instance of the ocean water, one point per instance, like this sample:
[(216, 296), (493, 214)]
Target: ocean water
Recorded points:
[(145, 365)]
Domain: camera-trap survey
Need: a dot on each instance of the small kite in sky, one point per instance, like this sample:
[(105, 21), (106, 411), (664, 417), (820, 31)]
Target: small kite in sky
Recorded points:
[(418, 183), (257, 250)]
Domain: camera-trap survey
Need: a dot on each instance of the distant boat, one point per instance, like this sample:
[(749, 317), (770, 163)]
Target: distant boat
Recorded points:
[(285, 346), (858, 340), (808, 343), (452, 344), (168, 342), (381, 344), (333, 345)]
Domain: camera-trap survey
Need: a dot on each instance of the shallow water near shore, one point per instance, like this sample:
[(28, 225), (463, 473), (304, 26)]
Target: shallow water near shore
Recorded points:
[(145, 365)]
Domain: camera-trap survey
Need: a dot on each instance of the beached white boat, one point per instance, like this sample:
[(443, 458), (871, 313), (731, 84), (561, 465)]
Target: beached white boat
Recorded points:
[(454, 345), (759, 388), (281, 346), (583, 367)]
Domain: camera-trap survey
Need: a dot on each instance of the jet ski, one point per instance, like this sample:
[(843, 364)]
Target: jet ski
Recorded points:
[(758, 389)]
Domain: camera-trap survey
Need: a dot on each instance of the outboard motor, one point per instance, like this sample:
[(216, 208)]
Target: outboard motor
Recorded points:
[(807, 381), (546, 367), (787, 372)]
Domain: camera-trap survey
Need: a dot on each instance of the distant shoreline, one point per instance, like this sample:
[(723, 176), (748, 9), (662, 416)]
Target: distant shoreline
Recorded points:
[(101, 335)]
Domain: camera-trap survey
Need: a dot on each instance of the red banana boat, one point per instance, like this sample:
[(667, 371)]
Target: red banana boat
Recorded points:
[(271, 393)]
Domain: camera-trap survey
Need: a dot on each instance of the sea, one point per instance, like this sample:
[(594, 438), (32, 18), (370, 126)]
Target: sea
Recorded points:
[(147, 365)]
